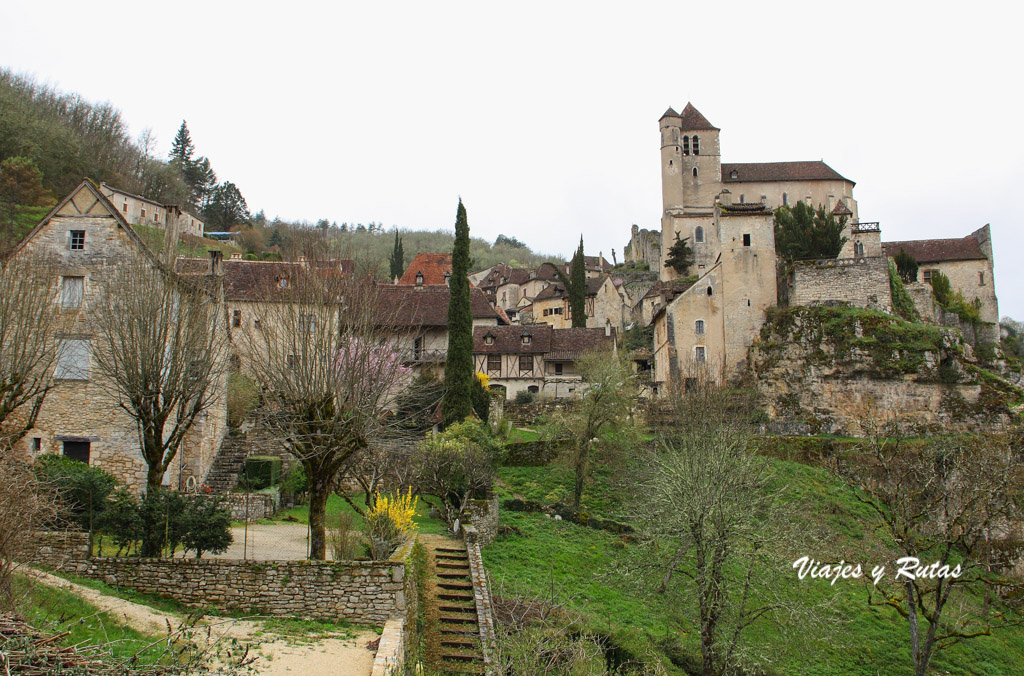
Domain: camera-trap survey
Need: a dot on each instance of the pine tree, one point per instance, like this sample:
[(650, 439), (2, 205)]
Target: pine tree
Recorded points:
[(397, 259), (578, 289), (458, 370), (182, 148), (680, 256)]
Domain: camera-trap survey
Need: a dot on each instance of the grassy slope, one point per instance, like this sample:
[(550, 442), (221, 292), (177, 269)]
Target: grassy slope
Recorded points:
[(579, 563), (335, 505), (55, 610)]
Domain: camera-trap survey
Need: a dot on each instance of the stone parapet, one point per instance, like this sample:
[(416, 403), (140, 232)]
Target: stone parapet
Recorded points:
[(481, 596), (862, 282)]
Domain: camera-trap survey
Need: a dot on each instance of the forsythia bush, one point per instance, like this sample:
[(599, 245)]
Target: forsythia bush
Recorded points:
[(388, 522)]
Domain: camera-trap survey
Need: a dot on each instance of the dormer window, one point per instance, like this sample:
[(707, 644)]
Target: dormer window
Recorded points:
[(734, 174), (419, 278), (282, 282), (696, 145), (447, 277), (527, 338), (489, 338)]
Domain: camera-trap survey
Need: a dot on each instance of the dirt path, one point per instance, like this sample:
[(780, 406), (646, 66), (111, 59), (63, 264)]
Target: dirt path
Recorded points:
[(341, 656)]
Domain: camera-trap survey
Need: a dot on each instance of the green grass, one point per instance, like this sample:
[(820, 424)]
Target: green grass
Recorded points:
[(55, 610), (154, 239), (585, 566), (335, 506), (519, 436)]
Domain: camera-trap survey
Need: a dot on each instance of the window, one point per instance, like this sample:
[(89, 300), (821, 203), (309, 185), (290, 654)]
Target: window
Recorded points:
[(37, 445), (307, 323), (417, 347), (558, 369), (742, 197), (699, 354), (527, 339), (686, 145), (282, 282), (746, 239), (290, 361), (928, 276), (981, 279), (734, 174), (695, 172), (858, 249), (71, 290), (419, 279), (526, 362), (698, 327), (143, 212), (558, 310), (533, 389), (72, 360), (494, 363), (696, 145), (124, 207), (77, 450), (785, 200), (698, 234), (709, 290), (77, 240), (257, 324), (489, 338), (236, 318)]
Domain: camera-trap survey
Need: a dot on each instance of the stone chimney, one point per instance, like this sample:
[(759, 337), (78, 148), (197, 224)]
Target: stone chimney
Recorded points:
[(216, 262)]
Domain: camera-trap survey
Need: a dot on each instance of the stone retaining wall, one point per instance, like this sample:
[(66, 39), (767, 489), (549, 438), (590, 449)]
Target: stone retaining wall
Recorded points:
[(862, 282), (254, 506), (364, 592), (481, 595), (484, 517)]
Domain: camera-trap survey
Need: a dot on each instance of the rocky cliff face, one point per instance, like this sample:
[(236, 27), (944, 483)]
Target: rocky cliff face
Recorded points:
[(826, 369)]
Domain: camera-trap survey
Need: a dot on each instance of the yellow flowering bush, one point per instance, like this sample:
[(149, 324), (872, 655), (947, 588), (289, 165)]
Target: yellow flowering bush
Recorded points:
[(389, 521), (485, 380)]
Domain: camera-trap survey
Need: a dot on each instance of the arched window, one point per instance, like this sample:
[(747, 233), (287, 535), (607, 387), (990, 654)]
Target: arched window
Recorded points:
[(696, 145), (695, 172), (698, 234), (686, 145)]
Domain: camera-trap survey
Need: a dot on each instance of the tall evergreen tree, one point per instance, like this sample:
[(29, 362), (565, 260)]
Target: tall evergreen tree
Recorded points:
[(578, 289), (458, 370), (182, 148), (397, 259)]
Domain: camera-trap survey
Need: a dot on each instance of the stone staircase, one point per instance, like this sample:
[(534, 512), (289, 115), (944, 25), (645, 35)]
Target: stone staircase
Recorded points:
[(227, 465), (452, 633)]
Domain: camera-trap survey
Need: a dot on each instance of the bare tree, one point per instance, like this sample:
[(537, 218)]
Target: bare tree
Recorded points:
[(609, 395), (941, 504), (159, 346), (711, 528), (30, 321), (457, 465), (328, 373), (25, 509)]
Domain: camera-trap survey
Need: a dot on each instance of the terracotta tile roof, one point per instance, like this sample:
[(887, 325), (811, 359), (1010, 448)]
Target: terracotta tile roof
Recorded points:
[(692, 120), (571, 344), (757, 172), (547, 272), (509, 339), (432, 265), (594, 284), (248, 280), (413, 306), (668, 290), (938, 250)]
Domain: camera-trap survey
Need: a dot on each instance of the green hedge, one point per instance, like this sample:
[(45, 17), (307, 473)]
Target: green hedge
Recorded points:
[(262, 471)]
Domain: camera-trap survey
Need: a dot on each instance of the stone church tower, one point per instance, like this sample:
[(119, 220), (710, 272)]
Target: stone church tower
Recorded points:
[(691, 180)]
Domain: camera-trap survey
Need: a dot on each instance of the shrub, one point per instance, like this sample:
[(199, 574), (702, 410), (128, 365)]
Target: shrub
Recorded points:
[(294, 483), (81, 490), (524, 397), (941, 288), (345, 544), (207, 525), (388, 522), (902, 304), (121, 520), (906, 266), (163, 520), (243, 395), (481, 396), (262, 471), (457, 465)]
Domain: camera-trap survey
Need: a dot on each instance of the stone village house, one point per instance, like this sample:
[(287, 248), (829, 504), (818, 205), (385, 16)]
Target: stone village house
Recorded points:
[(86, 235)]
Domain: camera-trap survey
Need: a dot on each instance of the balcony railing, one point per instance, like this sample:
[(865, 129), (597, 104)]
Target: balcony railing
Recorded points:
[(423, 356), (870, 226)]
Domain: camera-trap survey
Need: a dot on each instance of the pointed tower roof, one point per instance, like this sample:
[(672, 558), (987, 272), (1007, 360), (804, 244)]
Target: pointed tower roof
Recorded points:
[(668, 113), (693, 120), (841, 209)]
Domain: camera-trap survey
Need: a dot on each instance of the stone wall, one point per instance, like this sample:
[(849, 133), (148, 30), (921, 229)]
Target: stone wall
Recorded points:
[(644, 247), (484, 517), (365, 592), (252, 506), (862, 282), (481, 594), (931, 312)]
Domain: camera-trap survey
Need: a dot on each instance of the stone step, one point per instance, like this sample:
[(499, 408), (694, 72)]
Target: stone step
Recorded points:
[(454, 597), (452, 619), (458, 609), (463, 643), (455, 585), (451, 557), (459, 631), (456, 657), (453, 576), (453, 566), (449, 550)]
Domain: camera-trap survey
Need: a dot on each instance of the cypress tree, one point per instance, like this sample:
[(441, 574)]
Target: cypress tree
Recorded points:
[(578, 289), (458, 370), (397, 258)]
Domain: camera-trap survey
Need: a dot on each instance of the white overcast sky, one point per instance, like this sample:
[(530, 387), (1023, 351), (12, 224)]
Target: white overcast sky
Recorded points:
[(544, 116)]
